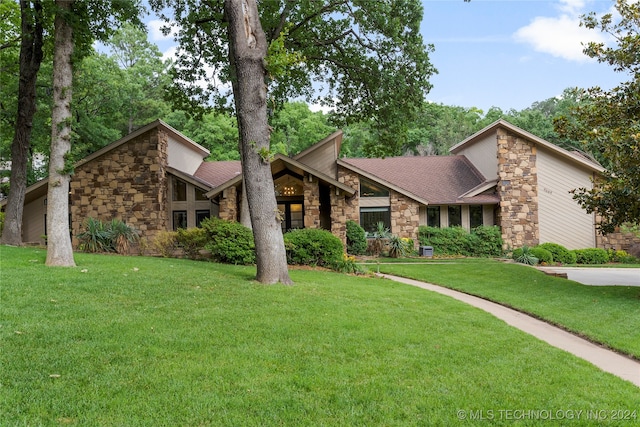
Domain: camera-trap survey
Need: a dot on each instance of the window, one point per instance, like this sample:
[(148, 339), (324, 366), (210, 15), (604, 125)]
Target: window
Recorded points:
[(370, 217), (200, 194), (475, 216), (201, 215), (369, 189), (433, 216), (455, 216), (292, 215), (179, 191), (179, 219)]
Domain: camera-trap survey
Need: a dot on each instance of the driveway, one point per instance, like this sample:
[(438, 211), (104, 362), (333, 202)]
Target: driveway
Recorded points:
[(599, 276)]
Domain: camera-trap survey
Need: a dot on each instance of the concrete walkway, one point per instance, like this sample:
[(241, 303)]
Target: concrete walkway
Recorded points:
[(604, 359)]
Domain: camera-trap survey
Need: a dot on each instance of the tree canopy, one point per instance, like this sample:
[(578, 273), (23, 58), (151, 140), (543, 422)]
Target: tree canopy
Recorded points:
[(608, 121)]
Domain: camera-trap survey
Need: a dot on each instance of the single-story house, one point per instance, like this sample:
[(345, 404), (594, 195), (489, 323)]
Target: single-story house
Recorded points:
[(156, 179)]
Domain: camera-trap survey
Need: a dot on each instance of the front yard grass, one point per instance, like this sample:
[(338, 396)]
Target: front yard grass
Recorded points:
[(140, 341), (605, 314)]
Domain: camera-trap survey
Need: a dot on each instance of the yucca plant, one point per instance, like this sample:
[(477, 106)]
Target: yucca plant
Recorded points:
[(121, 235), (95, 238)]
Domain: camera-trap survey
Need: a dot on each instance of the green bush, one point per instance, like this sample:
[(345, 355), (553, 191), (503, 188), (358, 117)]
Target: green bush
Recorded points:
[(165, 243), (481, 242), (192, 241), (560, 253), (356, 239), (543, 255), (113, 236), (315, 247), (591, 256), (229, 242), (524, 255), (399, 247), (621, 256), (1, 222)]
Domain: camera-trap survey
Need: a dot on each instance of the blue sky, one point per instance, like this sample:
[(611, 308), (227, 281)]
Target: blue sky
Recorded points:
[(503, 53)]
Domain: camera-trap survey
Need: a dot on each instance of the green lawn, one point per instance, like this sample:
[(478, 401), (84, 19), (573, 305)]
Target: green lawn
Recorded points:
[(135, 341), (605, 314)]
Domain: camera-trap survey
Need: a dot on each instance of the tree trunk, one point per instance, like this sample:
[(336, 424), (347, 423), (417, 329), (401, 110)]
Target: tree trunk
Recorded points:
[(247, 52), (245, 218), (30, 60), (59, 250)]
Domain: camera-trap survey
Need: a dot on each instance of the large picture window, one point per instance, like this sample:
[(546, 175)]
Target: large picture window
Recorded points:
[(433, 216), (370, 217), (179, 220), (455, 216), (179, 193), (475, 216)]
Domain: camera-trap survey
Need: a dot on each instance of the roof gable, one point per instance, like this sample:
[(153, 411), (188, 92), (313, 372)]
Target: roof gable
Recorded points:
[(501, 123)]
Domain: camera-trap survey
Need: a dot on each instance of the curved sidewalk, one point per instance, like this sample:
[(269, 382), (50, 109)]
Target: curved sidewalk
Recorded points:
[(608, 361)]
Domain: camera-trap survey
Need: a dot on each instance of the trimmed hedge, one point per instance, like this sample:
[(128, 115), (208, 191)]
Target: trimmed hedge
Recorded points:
[(356, 239), (560, 253), (192, 241), (591, 256), (229, 242), (543, 255), (315, 247), (483, 241)]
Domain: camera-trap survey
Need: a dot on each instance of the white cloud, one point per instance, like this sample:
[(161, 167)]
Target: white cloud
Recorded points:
[(560, 36), (155, 31)]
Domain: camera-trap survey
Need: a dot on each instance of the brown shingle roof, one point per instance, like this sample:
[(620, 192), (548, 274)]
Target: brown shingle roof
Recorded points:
[(436, 179), (217, 173)]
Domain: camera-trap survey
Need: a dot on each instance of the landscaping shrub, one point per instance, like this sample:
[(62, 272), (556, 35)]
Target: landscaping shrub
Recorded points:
[(1, 222), (621, 256), (113, 236), (229, 242), (524, 255), (591, 256), (348, 265), (560, 253), (482, 241), (165, 243), (309, 246), (356, 239), (378, 239), (399, 247), (543, 255), (192, 241)]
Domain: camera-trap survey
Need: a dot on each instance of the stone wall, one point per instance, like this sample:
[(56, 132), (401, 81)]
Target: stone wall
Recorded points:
[(618, 241), (405, 216), (343, 207), (128, 183), (518, 190), (311, 202), (229, 204)]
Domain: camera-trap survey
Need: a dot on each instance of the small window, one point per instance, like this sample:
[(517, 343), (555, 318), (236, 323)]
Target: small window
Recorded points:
[(200, 195), (179, 191), (476, 216), (370, 189), (370, 217), (179, 220), (201, 215), (455, 216), (433, 216)]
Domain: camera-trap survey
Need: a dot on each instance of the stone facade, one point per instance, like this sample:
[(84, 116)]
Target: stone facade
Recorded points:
[(618, 241), (128, 183), (405, 216), (229, 204), (344, 208), (311, 202), (518, 190)]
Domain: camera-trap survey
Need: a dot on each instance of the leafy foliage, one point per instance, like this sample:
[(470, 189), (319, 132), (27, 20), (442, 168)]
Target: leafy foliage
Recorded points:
[(399, 247), (192, 241), (315, 247), (609, 121), (113, 236), (229, 242), (482, 241), (543, 255), (591, 256), (165, 243), (356, 238), (560, 253)]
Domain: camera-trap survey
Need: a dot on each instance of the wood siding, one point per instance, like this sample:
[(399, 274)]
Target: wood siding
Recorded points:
[(182, 157), (482, 155), (561, 219)]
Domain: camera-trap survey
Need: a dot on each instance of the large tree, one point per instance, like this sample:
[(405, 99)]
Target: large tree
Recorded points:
[(77, 24), (608, 121), (367, 59), (31, 55)]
